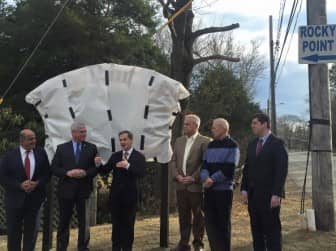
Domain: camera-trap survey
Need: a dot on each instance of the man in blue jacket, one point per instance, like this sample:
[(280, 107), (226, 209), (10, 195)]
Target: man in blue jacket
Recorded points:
[(219, 162)]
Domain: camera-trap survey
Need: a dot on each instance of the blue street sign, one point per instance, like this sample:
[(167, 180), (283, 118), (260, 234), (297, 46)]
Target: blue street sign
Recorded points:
[(317, 44)]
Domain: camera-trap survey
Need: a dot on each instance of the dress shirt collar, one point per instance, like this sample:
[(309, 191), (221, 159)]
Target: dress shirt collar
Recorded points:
[(193, 137), (23, 151), (265, 137), (74, 143), (129, 152)]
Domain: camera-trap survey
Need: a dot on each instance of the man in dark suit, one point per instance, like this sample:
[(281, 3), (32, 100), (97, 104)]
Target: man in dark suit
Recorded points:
[(127, 166), (263, 184), (24, 174), (74, 164)]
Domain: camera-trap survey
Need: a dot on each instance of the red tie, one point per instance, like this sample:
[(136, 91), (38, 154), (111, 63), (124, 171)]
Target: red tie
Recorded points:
[(27, 165), (259, 146)]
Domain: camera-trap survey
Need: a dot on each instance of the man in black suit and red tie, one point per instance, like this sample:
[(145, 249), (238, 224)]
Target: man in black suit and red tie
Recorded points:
[(263, 182), (74, 164), (24, 174), (127, 166)]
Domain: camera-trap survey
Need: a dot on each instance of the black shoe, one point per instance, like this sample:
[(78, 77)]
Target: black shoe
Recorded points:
[(198, 246)]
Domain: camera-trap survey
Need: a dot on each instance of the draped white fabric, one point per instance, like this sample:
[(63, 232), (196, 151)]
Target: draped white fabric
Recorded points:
[(110, 98)]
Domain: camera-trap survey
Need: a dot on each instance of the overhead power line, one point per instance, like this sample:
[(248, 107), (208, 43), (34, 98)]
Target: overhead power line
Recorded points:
[(280, 22), (290, 41), (289, 25), (26, 62)]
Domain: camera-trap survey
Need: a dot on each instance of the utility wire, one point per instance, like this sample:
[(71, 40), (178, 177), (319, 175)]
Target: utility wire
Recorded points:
[(303, 193), (280, 22), (290, 41), (175, 15), (291, 17), (34, 51)]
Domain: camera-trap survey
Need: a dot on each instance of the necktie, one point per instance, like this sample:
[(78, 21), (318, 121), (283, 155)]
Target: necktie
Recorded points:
[(126, 155), (259, 146), (77, 152), (27, 165)]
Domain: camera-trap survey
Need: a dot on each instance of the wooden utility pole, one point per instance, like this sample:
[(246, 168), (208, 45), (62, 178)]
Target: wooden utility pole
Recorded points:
[(323, 179), (272, 78), (164, 208)]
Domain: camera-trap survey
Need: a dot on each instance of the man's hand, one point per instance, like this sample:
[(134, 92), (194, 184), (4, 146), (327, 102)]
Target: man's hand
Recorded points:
[(122, 164), (208, 182), (33, 185), (187, 180), (81, 173), (29, 185), (244, 197), (25, 186), (179, 178), (98, 161), (71, 173), (76, 173), (275, 201)]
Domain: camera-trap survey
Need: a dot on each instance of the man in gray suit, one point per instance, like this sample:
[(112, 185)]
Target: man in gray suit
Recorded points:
[(185, 166)]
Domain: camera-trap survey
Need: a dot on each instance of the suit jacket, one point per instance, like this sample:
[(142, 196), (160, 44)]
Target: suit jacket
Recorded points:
[(12, 174), (265, 175), (194, 161), (64, 160), (124, 183)]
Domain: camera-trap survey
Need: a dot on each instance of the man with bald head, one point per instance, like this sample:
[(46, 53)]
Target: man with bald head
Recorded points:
[(24, 173), (219, 162), (185, 166)]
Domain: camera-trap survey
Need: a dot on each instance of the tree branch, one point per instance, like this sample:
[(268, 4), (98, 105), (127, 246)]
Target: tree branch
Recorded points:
[(166, 10), (213, 57), (162, 3), (208, 30)]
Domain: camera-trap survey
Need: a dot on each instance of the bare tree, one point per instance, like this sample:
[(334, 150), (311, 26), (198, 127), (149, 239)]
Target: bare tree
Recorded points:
[(183, 57), (251, 66)]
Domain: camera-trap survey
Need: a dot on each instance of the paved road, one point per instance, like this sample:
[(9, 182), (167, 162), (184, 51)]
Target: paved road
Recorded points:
[(297, 169)]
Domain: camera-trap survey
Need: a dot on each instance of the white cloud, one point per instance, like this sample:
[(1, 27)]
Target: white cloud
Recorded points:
[(241, 7), (251, 8)]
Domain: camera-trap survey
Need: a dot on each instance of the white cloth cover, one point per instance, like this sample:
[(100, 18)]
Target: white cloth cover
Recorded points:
[(110, 98)]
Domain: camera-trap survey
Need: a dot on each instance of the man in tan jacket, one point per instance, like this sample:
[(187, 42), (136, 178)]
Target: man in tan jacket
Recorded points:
[(185, 166)]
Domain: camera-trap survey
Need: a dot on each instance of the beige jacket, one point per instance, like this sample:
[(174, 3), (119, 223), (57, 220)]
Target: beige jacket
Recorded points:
[(194, 161)]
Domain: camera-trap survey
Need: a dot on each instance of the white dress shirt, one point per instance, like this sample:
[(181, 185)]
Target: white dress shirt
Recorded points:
[(265, 137), (189, 143), (31, 159)]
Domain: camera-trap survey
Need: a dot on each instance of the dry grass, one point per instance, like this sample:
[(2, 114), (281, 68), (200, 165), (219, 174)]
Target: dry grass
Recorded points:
[(147, 230)]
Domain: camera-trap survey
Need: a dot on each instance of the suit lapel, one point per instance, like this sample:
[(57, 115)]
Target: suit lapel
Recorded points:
[(182, 150), (82, 151), (37, 164), (71, 150), (131, 157), (193, 146), (20, 165), (253, 148)]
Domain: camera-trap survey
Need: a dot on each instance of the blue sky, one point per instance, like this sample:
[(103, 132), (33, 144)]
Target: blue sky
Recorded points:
[(292, 84)]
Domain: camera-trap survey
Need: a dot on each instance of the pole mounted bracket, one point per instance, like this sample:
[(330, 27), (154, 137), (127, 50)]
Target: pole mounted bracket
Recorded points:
[(319, 122)]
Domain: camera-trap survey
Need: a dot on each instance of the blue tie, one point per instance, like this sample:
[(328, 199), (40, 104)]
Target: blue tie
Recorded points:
[(77, 153)]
